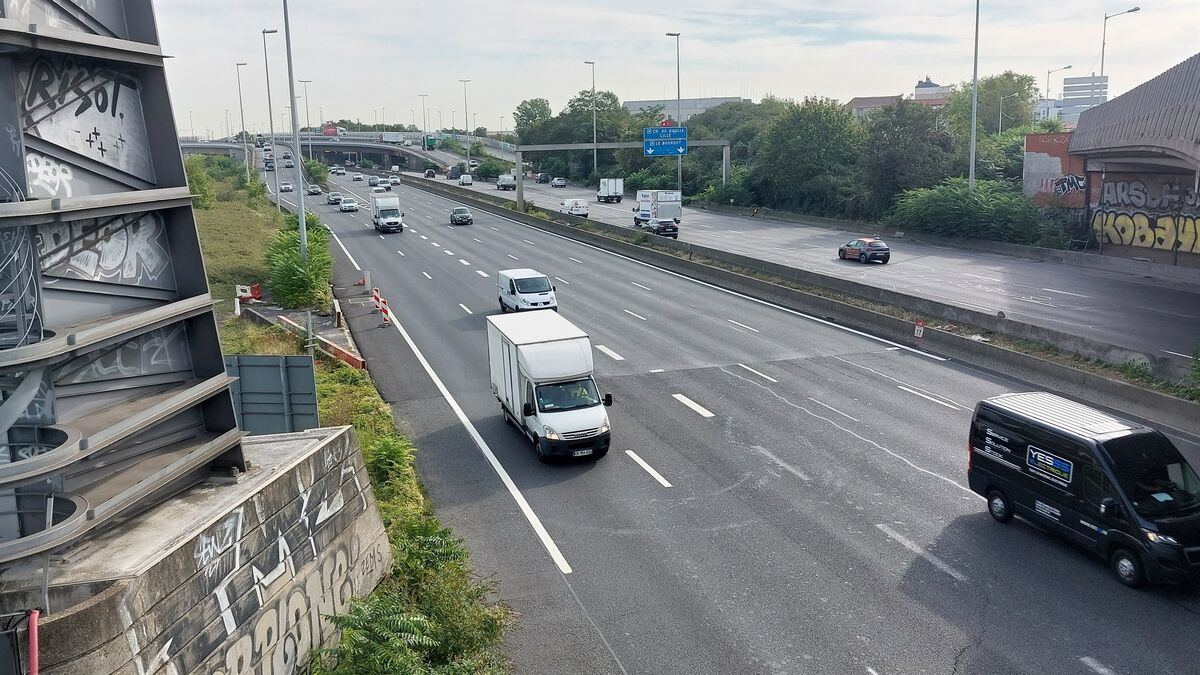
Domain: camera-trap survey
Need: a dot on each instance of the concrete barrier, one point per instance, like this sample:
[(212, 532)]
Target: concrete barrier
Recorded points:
[(1161, 409)]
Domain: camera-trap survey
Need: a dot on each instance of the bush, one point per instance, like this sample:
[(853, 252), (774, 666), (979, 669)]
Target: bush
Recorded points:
[(291, 281), (997, 211), (317, 172), (204, 195)]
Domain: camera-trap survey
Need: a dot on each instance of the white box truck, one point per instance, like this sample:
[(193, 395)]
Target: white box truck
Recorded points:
[(658, 204), (385, 213), (541, 368), (506, 181), (611, 190)]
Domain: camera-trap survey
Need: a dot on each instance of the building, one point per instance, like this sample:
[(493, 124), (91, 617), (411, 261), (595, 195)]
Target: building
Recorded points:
[(862, 106), (930, 93), (1048, 109), (691, 106), (1082, 93)]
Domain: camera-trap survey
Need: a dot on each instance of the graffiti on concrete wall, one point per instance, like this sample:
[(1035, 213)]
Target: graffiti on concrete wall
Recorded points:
[(1146, 230), (129, 249), (1052, 175), (160, 351), (1147, 211), (48, 177), (1069, 184), (87, 107)]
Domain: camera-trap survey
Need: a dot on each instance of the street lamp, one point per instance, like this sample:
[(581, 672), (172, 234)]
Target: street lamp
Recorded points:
[(307, 117), (595, 154), (1000, 130), (465, 118), (974, 105), (424, 119), (270, 115), (678, 104), (191, 126), (1048, 72), (441, 124), (242, 108), (1104, 33), (302, 215)]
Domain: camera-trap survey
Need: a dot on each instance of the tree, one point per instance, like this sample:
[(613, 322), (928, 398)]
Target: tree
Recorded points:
[(905, 148), (480, 132), (1018, 109), (204, 195), (530, 114)]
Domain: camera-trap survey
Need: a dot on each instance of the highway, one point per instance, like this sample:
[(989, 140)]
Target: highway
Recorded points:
[(782, 495), (1149, 315)]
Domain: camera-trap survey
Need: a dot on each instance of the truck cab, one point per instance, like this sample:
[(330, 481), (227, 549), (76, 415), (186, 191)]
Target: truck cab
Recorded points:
[(385, 213)]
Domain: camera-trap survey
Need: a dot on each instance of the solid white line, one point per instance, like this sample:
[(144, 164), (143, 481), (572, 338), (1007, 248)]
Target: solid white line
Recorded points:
[(933, 559), (699, 409), (753, 330), (927, 397), (657, 370), (529, 242), (1052, 290), (481, 273), (782, 464), (636, 316), (649, 469), (464, 262), (615, 356), (768, 378), (569, 257), (641, 286), (427, 276), (478, 240), (464, 307), (1096, 666), (563, 280), (344, 250), (512, 256), (984, 278), (825, 405), (1186, 356)]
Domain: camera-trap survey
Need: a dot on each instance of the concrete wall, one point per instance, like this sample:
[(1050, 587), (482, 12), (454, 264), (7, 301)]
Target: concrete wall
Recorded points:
[(1151, 211), (1053, 176)]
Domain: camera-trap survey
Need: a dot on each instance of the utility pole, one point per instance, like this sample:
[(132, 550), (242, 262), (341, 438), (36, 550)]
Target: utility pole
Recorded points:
[(242, 108), (679, 105), (307, 117), (300, 183), (974, 105), (270, 115), (466, 116), (595, 153)]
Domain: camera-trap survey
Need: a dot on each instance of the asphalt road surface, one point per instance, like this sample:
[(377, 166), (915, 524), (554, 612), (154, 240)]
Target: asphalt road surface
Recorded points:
[(782, 494), (1152, 316)]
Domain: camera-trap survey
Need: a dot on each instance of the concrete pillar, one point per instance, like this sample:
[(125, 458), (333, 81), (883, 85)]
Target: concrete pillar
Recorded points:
[(724, 164), (520, 171)]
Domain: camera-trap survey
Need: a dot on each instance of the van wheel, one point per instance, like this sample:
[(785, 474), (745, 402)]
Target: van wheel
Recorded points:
[(503, 309), (1128, 567), (999, 507), (541, 455)]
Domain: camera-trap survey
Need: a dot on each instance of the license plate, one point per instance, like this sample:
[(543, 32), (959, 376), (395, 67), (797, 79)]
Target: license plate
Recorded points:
[(582, 453)]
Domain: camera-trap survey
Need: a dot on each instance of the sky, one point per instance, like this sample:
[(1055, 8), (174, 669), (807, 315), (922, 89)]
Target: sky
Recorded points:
[(369, 59)]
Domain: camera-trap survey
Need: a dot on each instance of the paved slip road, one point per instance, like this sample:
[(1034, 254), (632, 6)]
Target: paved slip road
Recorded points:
[(1153, 316), (811, 515)]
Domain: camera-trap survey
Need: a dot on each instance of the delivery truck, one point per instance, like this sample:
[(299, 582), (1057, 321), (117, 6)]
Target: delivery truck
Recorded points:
[(656, 204), (385, 213), (611, 190), (541, 371), (506, 181)]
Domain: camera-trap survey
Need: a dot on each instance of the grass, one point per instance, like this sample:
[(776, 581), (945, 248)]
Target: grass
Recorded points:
[(233, 236)]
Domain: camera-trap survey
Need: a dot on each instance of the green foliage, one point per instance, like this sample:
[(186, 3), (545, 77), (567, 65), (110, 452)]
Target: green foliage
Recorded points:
[(450, 145), (317, 172), (490, 167), (204, 195), (996, 211), (1018, 109), (905, 148), (530, 114), (292, 281)]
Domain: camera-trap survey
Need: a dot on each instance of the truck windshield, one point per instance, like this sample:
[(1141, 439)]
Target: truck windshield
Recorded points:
[(389, 213), (567, 395), (1156, 478), (533, 285)]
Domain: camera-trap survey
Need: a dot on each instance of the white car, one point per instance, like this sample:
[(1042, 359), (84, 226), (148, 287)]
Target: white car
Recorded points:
[(474, 164), (357, 176), (558, 183), (465, 179), (285, 186), (574, 207), (385, 184), (348, 205)]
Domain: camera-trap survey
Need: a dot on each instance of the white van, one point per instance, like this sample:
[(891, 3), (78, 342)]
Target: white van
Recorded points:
[(574, 207), (466, 179), (524, 289), (395, 168)]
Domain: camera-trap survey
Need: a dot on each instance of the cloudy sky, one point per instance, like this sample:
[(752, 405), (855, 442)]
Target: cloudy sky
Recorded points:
[(368, 59)]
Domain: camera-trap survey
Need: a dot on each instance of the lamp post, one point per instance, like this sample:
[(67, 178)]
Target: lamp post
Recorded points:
[(441, 124), (307, 117), (302, 215), (466, 117), (191, 126), (242, 108), (270, 115), (1104, 33), (678, 105), (1048, 72), (595, 153), (1000, 127), (424, 119), (974, 105)]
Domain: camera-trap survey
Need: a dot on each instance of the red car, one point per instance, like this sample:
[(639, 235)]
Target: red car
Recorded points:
[(865, 250)]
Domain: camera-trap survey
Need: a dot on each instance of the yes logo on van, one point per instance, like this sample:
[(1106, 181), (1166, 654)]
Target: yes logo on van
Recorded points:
[(1049, 466)]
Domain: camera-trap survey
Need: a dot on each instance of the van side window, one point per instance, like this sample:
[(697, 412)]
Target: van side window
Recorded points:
[(1096, 485), (512, 287), (529, 395)]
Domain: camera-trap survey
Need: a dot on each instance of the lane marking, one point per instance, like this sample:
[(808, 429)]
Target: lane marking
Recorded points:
[(782, 464), (427, 276), (400, 252), (976, 276), (1052, 290), (481, 273), (435, 244), (381, 236), (424, 237), (615, 356), (889, 377), (752, 330), (464, 308), (1186, 356), (699, 409), (928, 397), (447, 251), (768, 378), (636, 316), (512, 256), (478, 240), (529, 242), (345, 250), (1096, 667), (657, 370), (649, 469), (495, 228), (429, 217), (563, 280), (569, 257), (464, 262), (826, 405), (641, 286), (929, 557)]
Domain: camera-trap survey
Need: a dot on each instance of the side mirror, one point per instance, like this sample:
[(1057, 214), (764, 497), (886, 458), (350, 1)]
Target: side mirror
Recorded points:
[(608, 400), (1109, 507), (527, 410)]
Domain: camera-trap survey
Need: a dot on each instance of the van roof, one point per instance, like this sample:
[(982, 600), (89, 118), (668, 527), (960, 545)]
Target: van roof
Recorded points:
[(520, 273), (1063, 414), (544, 325)]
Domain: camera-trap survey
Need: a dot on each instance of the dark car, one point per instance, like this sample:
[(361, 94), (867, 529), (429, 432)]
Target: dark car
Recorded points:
[(542, 178), (865, 250), (314, 189), (334, 198), (430, 173), (664, 227), (461, 215)]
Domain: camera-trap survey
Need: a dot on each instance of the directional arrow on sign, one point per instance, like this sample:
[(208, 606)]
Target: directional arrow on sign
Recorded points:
[(649, 151)]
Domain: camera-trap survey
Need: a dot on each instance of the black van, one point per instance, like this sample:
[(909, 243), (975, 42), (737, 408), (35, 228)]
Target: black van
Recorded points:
[(1119, 489)]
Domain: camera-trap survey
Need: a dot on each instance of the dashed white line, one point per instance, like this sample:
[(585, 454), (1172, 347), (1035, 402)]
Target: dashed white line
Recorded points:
[(494, 228), (928, 397), (563, 280), (481, 273), (742, 325), (429, 217), (1186, 356), (424, 237), (401, 253), (435, 244), (447, 251), (529, 242), (575, 259), (768, 378), (478, 240), (649, 469), (615, 356), (696, 407), (782, 464), (641, 286), (464, 308), (464, 262), (381, 236), (1052, 290), (512, 256), (826, 405), (636, 316), (427, 276), (931, 558), (1096, 667), (657, 370)]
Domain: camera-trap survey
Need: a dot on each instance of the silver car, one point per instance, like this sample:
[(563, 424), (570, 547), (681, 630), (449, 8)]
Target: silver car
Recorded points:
[(348, 205)]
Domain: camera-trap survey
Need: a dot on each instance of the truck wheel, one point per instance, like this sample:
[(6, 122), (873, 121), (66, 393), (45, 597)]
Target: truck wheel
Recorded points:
[(541, 455), (1128, 568), (618, 200), (999, 506)]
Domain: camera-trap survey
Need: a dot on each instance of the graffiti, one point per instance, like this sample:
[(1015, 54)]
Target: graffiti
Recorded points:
[(1147, 231), (1161, 195), (130, 250), (161, 351), (47, 176), (1070, 183), (212, 545)]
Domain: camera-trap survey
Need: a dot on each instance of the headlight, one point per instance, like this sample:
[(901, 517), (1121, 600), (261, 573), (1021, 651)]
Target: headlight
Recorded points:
[(1157, 538), (550, 434), (604, 427)]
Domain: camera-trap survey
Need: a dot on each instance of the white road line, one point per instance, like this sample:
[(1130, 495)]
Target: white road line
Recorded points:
[(447, 251), (381, 236), (649, 469), (928, 397), (429, 203), (768, 378), (1186, 356), (529, 242), (641, 286), (615, 356), (424, 237), (346, 251), (464, 262), (563, 280), (931, 558), (575, 259), (435, 244), (889, 377), (826, 405), (1096, 667), (494, 228), (401, 253), (412, 229), (699, 409), (976, 276), (636, 316), (1052, 290), (512, 256), (782, 464), (752, 330), (464, 308), (478, 240), (427, 276), (657, 370), (481, 273)]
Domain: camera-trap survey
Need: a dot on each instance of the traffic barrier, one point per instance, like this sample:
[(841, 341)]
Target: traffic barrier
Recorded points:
[(387, 314), (375, 299)]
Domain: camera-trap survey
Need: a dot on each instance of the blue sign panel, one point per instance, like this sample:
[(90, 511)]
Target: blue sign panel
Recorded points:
[(663, 133), (664, 148)]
